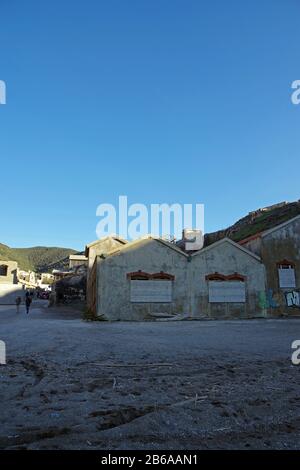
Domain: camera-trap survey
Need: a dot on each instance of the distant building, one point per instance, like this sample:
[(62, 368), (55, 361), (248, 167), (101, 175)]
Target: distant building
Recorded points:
[(9, 286), (58, 274), (28, 278), (47, 278), (8, 272), (77, 260)]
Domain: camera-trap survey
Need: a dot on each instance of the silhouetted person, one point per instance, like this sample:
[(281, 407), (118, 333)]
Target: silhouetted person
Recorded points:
[(28, 303), (18, 303)]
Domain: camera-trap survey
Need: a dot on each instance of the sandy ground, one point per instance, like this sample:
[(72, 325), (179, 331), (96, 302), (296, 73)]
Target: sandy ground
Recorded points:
[(69, 384)]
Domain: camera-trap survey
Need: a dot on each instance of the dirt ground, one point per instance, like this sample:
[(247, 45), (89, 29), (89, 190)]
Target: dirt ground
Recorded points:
[(69, 384)]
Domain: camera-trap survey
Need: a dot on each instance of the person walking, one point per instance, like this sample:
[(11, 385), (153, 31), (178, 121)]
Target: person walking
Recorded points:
[(18, 303), (28, 301)]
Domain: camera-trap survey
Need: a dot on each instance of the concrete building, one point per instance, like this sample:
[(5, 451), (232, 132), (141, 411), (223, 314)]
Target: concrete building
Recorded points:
[(279, 249), (9, 286), (28, 278), (92, 250), (151, 277), (47, 278), (8, 272), (58, 274)]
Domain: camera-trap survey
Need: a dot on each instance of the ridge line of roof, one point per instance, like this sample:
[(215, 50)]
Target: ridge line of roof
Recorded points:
[(142, 239), (226, 239)]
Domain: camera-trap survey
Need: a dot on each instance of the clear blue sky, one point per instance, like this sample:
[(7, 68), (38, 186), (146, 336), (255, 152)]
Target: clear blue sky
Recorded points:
[(160, 100)]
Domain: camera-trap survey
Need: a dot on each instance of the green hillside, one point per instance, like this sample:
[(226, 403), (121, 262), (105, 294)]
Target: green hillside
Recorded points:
[(35, 259)]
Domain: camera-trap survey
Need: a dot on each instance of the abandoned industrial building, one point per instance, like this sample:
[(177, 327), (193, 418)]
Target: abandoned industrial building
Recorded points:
[(153, 278), (279, 249)]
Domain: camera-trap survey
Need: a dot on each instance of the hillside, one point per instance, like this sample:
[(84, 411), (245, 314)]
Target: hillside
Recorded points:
[(37, 259), (256, 222)]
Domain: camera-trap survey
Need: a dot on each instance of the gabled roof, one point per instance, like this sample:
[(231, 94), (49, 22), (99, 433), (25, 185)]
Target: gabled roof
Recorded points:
[(139, 241), (122, 241), (231, 242), (278, 227), (113, 237)]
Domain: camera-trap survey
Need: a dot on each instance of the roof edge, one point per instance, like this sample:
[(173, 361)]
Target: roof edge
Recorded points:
[(228, 240), (133, 243), (113, 237), (278, 227)]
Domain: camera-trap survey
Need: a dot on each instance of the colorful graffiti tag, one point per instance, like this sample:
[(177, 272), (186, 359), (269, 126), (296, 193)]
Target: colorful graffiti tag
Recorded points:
[(292, 299), (266, 300)]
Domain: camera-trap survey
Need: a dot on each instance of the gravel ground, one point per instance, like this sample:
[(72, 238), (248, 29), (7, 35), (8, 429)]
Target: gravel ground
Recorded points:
[(70, 384)]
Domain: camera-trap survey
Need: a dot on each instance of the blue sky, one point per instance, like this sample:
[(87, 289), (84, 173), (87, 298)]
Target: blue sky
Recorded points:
[(162, 101)]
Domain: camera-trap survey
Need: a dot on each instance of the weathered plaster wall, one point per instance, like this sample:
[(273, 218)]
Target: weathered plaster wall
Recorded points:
[(101, 247), (226, 259), (149, 256), (253, 245), (281, 244)]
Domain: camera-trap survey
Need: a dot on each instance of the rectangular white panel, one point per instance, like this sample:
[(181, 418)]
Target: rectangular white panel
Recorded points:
[(287, 277), (151, 291), (226, 291)]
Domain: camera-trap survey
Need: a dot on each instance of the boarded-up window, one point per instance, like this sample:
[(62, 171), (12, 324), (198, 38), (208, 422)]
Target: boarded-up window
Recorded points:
[(151, 291), (286, 273), (226, 291)]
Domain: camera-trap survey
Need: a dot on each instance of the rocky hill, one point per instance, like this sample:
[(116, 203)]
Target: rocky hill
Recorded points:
[(256, 222)]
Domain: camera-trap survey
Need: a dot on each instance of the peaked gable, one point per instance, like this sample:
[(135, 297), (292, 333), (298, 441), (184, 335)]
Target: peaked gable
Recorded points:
[(232, 243)]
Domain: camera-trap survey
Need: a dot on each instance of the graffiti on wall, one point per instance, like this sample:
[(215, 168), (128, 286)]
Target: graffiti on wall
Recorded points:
[(267, 300), (292, 299)]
